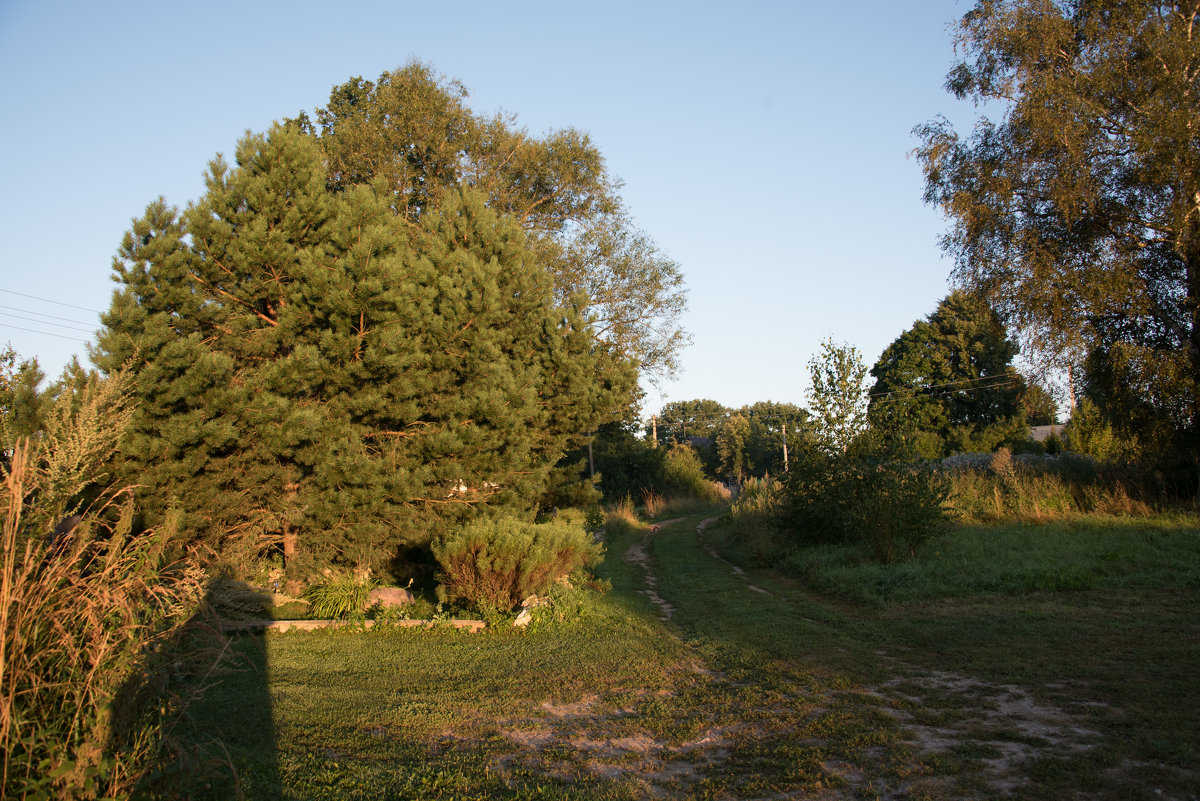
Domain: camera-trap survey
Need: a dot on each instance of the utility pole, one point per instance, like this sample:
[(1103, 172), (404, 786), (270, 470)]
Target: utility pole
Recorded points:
[(785, 461), (654, 431)]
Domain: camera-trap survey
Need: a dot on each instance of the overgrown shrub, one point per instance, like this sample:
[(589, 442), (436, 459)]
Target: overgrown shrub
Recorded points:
[(683, 476), (91, 613), (493, 564), (889, 507)]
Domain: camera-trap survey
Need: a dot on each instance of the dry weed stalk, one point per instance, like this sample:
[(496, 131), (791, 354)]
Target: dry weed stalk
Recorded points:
[(84, 606)]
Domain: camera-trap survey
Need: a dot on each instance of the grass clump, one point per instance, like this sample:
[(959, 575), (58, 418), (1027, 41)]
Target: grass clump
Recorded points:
[(656, 505), (622, 518), (493, 564), (339, 595)]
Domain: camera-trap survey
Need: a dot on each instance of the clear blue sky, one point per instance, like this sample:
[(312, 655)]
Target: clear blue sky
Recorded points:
[(763, 145)]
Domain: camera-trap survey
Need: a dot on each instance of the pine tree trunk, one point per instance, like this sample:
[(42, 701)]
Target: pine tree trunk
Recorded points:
[(1193, 284), (289, 532)]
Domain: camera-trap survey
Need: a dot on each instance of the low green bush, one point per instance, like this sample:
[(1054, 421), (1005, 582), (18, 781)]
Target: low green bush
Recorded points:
[(684, 477), (493, 564)]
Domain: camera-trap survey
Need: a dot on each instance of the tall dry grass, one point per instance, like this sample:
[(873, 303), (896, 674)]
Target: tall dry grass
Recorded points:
[(1050, 489), (710, 493), (88, 610), (753, 519)]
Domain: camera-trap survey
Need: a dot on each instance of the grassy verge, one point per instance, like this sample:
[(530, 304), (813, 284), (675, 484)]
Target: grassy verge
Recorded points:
[(1064, 653)]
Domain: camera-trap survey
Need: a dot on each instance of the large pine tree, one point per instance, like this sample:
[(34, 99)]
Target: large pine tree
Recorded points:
[(320, 376)]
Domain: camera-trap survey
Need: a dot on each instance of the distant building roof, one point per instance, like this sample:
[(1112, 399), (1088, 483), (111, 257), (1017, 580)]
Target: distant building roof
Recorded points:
[(1042, 433)]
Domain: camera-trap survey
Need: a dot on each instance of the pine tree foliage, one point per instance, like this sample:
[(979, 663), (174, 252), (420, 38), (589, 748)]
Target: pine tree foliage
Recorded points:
[(412, 133), (318, 374), (20, 407)]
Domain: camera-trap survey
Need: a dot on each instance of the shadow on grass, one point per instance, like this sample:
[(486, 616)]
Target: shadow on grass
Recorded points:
[(232, 727), (219, 741)]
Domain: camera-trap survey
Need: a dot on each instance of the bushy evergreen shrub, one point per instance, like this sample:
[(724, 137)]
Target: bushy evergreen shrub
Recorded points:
[(493, 564)]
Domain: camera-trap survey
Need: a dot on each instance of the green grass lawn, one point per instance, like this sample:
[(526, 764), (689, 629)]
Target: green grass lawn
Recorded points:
[(953, 684)]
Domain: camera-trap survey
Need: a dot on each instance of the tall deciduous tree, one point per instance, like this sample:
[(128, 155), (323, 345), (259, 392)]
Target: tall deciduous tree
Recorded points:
[(316, 373), (1078, 214), (952, 369), (771, 424), (731, 446), (413, 131)]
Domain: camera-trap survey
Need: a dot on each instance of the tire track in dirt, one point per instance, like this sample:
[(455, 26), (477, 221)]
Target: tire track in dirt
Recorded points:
[(937, 715), (639, 554), (736, 571)]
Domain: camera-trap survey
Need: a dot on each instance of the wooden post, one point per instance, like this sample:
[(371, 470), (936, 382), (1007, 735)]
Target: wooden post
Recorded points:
[(785, 461)]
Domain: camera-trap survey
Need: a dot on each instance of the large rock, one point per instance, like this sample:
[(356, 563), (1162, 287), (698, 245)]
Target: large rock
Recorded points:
[(389, 596)]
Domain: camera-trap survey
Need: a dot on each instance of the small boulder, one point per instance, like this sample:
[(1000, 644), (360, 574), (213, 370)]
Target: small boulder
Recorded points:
[(523, 619), (534, 601), (389, 596)]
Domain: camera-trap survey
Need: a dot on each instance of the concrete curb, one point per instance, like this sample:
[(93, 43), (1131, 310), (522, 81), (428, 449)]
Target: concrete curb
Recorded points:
[(312, 625)]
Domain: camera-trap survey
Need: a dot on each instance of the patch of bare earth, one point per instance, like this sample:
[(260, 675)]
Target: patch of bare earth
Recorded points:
[(592, 739)]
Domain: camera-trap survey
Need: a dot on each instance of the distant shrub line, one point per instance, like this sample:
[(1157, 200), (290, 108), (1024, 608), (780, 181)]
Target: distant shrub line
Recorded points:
[(888, 509)]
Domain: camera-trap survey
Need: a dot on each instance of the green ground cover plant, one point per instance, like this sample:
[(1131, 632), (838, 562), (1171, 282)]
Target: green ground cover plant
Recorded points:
[(1093, 553)]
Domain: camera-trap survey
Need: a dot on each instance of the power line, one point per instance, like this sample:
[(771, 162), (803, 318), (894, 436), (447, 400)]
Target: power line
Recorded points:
[(45, 333), (884, 398), (983, 378), (89, 329), (47, 300), (43, 314)]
